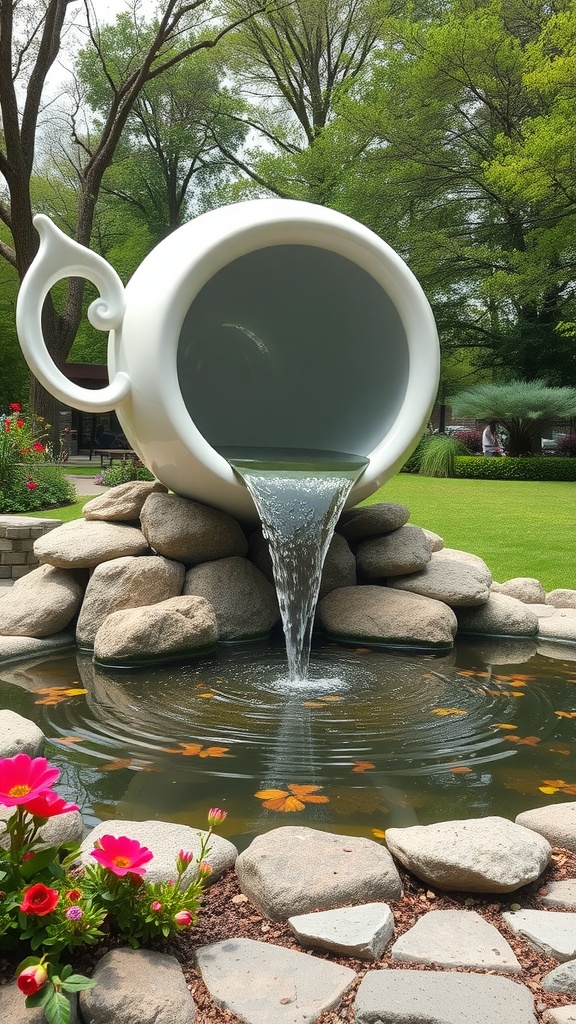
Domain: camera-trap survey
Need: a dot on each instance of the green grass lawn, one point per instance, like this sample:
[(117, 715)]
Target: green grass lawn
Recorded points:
[(92, 470), (519, 528), (66, 513)]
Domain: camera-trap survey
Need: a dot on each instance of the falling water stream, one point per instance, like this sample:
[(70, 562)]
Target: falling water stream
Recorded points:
[(299, 496)]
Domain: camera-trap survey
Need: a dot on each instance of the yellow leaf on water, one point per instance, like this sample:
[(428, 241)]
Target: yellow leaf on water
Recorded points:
[(69, 739), (270, 794), (560, 714), (362, 766), (527, 741), (187, 749), (214, 752), (448, 711), (312, 704), (74, 693), (330, 698), (378, 833), (116, 764), (503, 725), (285, 803), (557, 783), (206, 695), (548, 789)]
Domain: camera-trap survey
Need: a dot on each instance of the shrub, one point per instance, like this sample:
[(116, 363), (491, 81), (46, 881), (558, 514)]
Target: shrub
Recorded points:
[(129, 469), (28, 481), (471, 438), (566, 446), (522, 468), (435, 455)]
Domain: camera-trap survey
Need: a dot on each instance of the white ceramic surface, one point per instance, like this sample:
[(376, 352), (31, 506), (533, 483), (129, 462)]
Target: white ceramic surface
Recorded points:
[(271, 322)]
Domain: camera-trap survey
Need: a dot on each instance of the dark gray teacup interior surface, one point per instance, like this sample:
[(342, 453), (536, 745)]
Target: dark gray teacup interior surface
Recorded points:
[(293, 347)]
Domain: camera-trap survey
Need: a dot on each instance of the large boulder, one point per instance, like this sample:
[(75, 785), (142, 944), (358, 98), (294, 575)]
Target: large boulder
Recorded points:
[(295, 870), (557, 823), (403, 551), (455, 555), (339, 565), (188, 531), (559, 626), (41, 603), (364, 521), (455, 583), (385, 615), (122, 503), (128, 582), (479, 855), (524, 588), (561, 598), (83, 544), (244, 601), (18, 735), (138, 986), (500, 616), (166, 631)]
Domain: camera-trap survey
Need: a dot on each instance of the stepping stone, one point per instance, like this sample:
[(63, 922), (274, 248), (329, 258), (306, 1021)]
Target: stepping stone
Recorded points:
[(549, 932), (561, 979), (561, 894), (560, 1015), (138, 986), (456, 938), (20, 648), (556, 822), (263, 983), (429, 997), (363, 931), (13, 1007)]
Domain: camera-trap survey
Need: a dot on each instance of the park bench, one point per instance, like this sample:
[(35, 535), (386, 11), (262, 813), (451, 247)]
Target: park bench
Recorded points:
[(115, 453)]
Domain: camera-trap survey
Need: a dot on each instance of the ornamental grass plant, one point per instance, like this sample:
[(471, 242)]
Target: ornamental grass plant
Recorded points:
[(54, 906)]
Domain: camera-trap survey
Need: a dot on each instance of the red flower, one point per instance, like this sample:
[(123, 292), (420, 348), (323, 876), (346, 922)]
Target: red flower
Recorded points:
[(122, 855), (48, 804), (20, 423), (38, 447), (39, 900), (22, 778), (74, 895), (32, 979), (183, 918), (15, 407), (31, 485), (7, 423), (156, 906)]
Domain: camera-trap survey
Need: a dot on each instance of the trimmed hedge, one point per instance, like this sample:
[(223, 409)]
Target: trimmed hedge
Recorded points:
[(545, 467)]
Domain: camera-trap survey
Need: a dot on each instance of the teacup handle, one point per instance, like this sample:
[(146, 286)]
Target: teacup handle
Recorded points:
[(59, 256)]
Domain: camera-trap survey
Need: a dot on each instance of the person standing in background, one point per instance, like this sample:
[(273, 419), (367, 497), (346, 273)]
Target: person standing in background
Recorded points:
[(490, 440)]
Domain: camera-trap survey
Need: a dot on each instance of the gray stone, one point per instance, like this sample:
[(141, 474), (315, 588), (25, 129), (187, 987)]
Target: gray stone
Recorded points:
[(261, 983), (188, 531), (455, 555), (244, 601), (41, 603), (431, 997), (18, 735), (504, 650), (362, 931), (524, 588), (560, 894), (137, 986), (83, 544), (17, 648), (339, 566), (364, 521), (556, 822), (395, 554), (560, 1015), (561, 598), (477, 855), (435, 541), (561, 979), (456, 938), (385, 615), (560, 626), (456, 584), (295, 870), (172, 629), (559, 650), (550, 932), (129, 582), (500, 616), (60, 829), (122, 503), (165, 839), (543, 611), (13, 1008)]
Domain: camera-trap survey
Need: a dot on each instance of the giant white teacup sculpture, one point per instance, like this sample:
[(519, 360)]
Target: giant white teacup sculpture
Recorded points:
[(271, 323)]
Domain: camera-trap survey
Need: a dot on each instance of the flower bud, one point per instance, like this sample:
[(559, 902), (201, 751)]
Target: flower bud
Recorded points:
[(204, 869), (156, 906), (32, 979), (216, 816), (183, 918), (183, 860)]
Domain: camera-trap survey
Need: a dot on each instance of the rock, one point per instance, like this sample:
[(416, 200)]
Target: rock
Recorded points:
[(18, 648), (244, 601), (560, 1015), (41, 603), (356, 524), (560, 626), (362, 932), (172, 629), (339, 566), (19, 735), (500, 616), (403, 551), (553, 934), (561, 979), (561, 598), (455, 555), (165, 839), (83, 544), (331, 871), (188, 531), (478, 855), (435, 541), (129, 582), (384, 615), (137, 986), (456, 584), (14, 1009), (559, 651), (560, 894), (432, 997), (504, 650), (456, 938), (122, 503), (261, 983), (556, 822), (524, 588), (62, 828)]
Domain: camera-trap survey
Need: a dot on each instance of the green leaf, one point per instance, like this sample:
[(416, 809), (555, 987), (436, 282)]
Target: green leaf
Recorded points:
[(36, 863), (66, 972), (28, 962), (40, 998), (77, 983), (58, 1010)]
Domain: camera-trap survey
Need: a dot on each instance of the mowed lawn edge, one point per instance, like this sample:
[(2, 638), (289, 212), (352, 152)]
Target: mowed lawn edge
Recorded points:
[(519, 528)]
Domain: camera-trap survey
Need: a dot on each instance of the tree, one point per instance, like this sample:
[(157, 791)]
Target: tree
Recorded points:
[(28, 50), (521, 407)]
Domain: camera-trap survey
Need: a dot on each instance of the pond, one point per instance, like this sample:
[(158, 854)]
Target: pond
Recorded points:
[(373, 739)]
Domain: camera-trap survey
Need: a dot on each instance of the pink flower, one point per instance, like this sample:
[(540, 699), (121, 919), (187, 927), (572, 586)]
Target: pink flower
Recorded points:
[(185, 857), (39, 900), (31, 485), (122, 855), (216, 816), (74, 913), (156, 906), (183, 918), (22, 778), (48, 804), (32, 979)]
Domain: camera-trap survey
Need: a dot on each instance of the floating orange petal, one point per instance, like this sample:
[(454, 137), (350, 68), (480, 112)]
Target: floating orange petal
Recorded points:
[(330, 698), (69, 739), (312, 704), (187, 749), (305, 793), (116, 765), (527, 741), (214, 752), (560, 750), (448, 711), (561, 714), (460, 770), (569, 790), (362, 766), (206, 695), (503, 725), (557, 783), (270, 794), (284, 803)]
